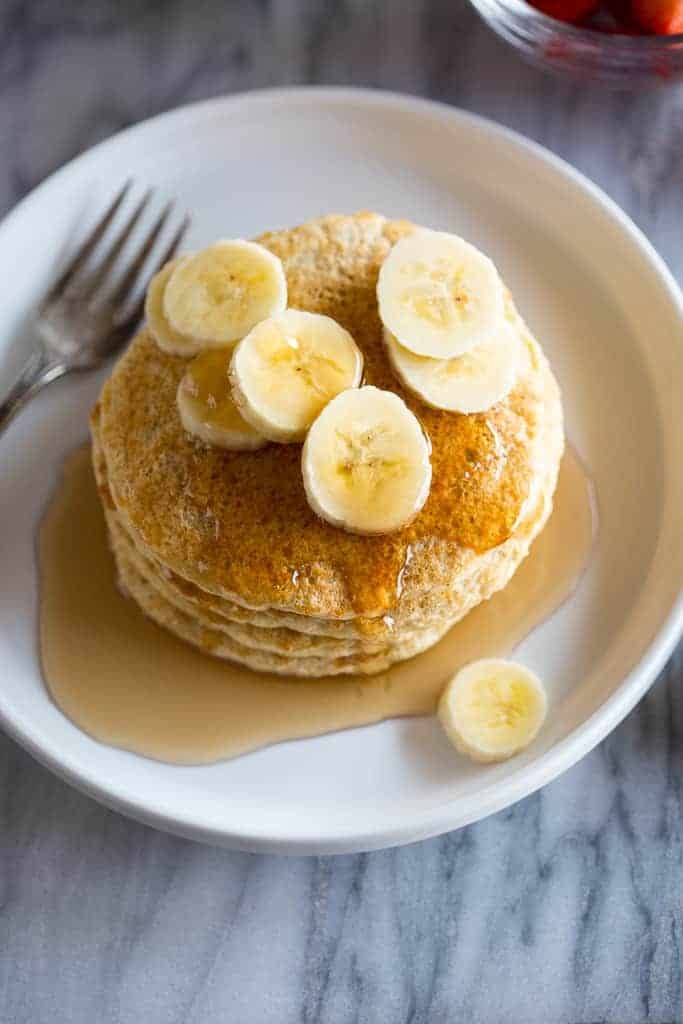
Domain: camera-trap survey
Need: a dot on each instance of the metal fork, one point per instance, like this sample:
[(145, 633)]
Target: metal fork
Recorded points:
[(88, 315)]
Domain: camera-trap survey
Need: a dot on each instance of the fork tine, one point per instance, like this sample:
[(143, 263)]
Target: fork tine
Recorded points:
[(169, 252), (88, 245), (174, 244), (127, 282), (98, 276)]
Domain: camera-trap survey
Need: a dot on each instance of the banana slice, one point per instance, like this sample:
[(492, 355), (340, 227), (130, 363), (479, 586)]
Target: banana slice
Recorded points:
[(366, 463), (206, 406), (438, 295), (219, 294), (469, 383), (492, 709), (166, 337), (287, 370)]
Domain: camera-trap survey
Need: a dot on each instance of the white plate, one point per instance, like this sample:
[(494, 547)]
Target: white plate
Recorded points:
[(609, 316)]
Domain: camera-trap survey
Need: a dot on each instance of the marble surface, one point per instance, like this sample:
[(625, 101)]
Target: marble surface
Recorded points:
[(565, 908)]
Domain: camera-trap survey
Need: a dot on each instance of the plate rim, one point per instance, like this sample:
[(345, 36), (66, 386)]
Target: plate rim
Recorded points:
[(526, 779)]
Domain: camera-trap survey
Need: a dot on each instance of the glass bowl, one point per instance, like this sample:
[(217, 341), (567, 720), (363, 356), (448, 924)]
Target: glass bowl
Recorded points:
[(630, 61)]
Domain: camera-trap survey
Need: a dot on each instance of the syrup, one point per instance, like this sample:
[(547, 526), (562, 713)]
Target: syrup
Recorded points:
[(130, 684)]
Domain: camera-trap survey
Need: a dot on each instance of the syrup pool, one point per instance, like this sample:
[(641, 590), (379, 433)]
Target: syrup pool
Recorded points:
[(130, 684)]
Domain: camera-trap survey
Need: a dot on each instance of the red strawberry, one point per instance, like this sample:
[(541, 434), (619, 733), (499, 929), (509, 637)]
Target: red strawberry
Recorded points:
[(565, 10), (613, 17), (663, 17)]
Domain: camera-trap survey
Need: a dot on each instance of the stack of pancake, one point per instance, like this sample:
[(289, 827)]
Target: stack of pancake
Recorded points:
[(222, 548)]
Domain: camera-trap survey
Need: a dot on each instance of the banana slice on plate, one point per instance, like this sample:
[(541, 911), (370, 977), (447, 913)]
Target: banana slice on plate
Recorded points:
[(492, 709), (469, 383), (365, 462), (206, 406), (288, 368), (220, 293), (438, 295), (166, 337)]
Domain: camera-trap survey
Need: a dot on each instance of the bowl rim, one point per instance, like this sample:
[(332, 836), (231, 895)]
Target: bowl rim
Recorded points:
[(614, 41)]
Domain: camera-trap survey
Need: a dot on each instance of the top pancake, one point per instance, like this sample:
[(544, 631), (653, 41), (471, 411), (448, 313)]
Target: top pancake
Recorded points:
[(238, 523)]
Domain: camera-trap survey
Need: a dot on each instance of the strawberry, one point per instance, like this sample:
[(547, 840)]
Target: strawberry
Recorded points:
[(613, 17), (565, 10), (663, 17)]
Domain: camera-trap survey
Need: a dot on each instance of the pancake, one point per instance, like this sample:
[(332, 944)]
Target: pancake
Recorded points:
[(276, 638), (223, 544), (219, 645)]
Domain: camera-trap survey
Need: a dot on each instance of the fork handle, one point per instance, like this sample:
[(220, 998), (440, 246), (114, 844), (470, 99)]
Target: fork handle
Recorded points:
[(37, 372)]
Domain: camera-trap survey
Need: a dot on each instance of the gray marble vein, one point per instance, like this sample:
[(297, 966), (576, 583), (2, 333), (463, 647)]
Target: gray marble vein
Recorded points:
[(566, 908)]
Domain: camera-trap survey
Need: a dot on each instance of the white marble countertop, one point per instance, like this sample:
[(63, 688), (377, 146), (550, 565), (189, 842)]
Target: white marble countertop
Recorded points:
[(565, 908)]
